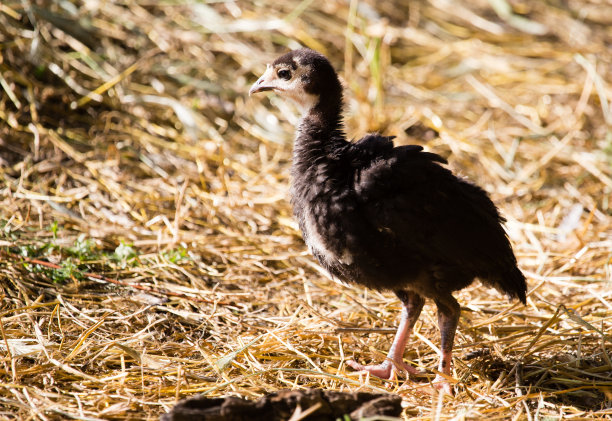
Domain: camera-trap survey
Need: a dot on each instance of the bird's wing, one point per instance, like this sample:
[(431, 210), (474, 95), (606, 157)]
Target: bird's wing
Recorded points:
[(373, 146), (425, 210)]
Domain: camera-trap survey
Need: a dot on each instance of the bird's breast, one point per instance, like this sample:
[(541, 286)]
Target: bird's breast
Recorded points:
[(323, 212), (325, 242)]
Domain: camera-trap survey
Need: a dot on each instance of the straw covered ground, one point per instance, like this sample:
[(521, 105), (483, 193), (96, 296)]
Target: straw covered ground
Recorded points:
[(147, 247)]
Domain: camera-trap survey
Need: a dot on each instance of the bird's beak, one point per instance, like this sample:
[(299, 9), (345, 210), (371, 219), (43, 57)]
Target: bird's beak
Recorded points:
[(265, 83)]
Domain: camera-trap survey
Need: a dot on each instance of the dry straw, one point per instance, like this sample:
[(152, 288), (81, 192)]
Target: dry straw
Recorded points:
[(133, 164)]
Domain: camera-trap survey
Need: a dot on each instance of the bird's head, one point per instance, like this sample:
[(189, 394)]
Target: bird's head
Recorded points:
[(304, 76)]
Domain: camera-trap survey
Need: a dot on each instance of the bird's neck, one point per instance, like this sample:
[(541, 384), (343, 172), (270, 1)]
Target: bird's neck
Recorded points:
[(318, 166), (325, 116), (320, 132)]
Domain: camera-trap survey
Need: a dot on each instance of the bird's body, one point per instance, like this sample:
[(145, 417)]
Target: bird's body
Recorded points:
[(387, 217)]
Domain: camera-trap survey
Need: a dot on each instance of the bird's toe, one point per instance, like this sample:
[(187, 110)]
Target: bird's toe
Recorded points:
[(386, 370), (409, 368)]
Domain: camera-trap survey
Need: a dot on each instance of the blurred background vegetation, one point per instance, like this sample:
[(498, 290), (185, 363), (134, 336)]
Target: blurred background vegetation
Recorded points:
[(147, 247)]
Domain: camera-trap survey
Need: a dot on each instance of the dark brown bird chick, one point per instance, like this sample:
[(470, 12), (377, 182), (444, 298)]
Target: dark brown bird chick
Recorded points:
[(390, 218)]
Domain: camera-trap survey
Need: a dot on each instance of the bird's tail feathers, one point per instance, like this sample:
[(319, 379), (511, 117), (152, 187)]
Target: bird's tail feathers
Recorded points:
[(513, 284)]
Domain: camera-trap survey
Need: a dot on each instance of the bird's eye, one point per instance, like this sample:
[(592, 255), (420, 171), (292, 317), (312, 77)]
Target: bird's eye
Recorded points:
[(284, 74)]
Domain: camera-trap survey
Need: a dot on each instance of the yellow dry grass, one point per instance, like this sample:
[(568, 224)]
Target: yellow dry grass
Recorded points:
[(148, 252)]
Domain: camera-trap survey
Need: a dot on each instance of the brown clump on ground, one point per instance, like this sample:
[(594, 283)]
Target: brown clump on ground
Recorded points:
[(286, 404)]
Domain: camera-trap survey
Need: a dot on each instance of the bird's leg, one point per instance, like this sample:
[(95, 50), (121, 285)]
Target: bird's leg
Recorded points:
[(412, 306), (448, 318)]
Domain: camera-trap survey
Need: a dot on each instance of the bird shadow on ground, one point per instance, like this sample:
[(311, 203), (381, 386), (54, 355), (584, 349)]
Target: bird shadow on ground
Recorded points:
[(557, 379)]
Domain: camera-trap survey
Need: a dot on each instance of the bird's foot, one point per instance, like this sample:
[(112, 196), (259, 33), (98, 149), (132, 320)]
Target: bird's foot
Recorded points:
[(385, 370), (442, 384)]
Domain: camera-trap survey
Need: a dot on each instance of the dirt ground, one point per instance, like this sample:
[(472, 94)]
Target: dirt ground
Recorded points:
[(147, 247)]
